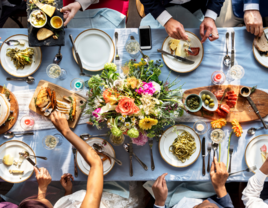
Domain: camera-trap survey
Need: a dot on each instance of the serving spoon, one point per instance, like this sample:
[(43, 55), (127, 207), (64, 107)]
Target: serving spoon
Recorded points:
[(227, 58), (57, 59), (253, 130), (28, 79), (10, 134)]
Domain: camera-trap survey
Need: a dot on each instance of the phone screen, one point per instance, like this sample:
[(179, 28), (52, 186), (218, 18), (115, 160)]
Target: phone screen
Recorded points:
[(145, 39)]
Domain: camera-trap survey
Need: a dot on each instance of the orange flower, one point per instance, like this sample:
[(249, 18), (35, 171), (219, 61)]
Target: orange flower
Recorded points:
[(133, 82), (110, 96), (126, 106)]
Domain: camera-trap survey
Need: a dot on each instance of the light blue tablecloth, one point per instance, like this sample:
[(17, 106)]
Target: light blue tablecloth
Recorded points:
[(60, 160)]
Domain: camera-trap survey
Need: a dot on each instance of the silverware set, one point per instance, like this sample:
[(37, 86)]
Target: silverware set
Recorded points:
[(227, 60), (231, 149), (209, 150), (151, 142)]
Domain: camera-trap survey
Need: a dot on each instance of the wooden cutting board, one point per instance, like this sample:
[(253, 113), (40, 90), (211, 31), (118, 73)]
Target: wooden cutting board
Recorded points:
[(14, 106), (60, 92), (243, 112)]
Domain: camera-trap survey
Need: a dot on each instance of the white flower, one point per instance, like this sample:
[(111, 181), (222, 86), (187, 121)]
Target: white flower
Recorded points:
[(148, 104), (127, 124), (107, 107), (97, 101), (133, 120), (119, 84), (122, 119), (157, 87), (123, 128)]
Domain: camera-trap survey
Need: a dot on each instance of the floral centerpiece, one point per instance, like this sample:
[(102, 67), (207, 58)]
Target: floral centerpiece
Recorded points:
[(136, 103)]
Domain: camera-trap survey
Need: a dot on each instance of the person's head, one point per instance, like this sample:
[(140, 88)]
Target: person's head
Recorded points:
[(206, 204), (36, 203)]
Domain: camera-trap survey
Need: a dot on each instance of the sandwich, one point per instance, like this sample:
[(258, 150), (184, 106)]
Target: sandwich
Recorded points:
[(261, 44)]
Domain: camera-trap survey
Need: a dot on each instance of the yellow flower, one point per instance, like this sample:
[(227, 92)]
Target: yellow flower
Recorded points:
[(147, 123), (133, 82)]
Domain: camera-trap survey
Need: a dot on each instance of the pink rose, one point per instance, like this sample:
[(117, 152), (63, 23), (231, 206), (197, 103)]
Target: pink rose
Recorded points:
[(141, 140)]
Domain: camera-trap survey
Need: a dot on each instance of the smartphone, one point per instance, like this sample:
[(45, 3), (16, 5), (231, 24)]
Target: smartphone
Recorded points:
[(145, 37)]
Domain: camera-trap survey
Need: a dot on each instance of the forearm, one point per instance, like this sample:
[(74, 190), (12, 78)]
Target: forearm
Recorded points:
[(41, 193), (220, 191)]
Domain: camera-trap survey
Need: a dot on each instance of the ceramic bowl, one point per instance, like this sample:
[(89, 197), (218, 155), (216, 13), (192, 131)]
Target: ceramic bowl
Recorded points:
[(200, 103), (39, 26), (207, 92)]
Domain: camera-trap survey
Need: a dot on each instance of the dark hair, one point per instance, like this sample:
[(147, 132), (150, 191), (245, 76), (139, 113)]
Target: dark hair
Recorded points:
[(32, 204)]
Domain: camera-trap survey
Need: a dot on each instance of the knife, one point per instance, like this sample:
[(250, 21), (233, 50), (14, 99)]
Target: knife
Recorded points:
[(130, 158), (232, 52), (177, 57), (32, 162), (204, 155)]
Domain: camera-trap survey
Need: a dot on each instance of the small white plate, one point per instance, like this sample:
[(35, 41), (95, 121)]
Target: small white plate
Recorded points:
[(107, 167), (95, 49), (179, 66), (13, 148), (263, 60), (168, 138), (7, 63), (253, 152), (207, 92)]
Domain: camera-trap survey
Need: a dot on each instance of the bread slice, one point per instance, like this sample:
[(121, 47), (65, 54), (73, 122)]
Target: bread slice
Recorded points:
[(44, 33), (261, 43), (48, 9)]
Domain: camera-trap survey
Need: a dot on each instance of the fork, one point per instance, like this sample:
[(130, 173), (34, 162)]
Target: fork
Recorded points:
[(116, 46), (215, 147), (231, 149), (209, 150), (253, 168), (75, 165), (151, 142)]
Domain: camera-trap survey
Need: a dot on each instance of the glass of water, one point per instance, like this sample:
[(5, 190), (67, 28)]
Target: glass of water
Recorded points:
[(54, 71), (236, 72), (50, 142), (133, 48)]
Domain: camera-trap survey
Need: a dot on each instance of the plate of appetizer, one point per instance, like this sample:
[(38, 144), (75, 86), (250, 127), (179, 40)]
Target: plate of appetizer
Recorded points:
[(20, 60), (181, 48), (95, 48), (14, 168), (260, 48), (107, 162), (180, 146), (256, 151)]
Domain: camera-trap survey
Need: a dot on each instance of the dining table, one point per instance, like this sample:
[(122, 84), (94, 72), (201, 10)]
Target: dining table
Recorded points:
[(61, 160)]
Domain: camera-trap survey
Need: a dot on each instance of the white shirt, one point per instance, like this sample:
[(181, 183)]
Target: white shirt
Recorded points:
[(185, 203), (251, 194)]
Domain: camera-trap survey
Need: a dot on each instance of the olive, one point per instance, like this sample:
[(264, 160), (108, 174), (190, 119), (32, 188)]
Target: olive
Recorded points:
[(208, 97), (211, 100), (206, 102), (203, 97), (211, 105)]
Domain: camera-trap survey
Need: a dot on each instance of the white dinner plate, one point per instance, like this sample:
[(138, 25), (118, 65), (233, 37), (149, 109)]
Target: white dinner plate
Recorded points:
[(178, 66), (168, 138), (107, 167), (7, 63), (13, 148), (95, 49), (263, 60), (253, 152)]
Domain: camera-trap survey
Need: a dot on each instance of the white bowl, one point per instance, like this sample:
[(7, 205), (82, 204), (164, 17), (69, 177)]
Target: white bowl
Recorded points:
[(31, 17), (211, 96)]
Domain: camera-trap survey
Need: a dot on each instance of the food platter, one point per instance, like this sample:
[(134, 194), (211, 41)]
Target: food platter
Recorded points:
[(181, 67), (95, 48), (263, 60), (253, 153), (8, 64), (13, 148), (107, 167), (168, 138)]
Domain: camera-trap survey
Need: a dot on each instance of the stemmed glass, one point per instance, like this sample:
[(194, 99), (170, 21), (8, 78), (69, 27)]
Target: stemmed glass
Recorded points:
[(54, 71)]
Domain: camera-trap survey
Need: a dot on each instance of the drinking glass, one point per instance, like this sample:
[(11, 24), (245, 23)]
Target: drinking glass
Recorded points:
[(133, 48), (54, 71), (50, 142), (236, 72), (117, 141)]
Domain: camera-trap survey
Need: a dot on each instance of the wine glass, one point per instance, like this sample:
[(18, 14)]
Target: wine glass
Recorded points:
[(54, 71)]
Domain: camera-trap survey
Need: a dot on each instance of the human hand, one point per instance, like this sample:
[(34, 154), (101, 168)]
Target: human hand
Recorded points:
[(209, 25), (70, 11), (66, 182), (219, 177), (253, 21), (60, 122), (160, 190), (43, 178), (175, 29)]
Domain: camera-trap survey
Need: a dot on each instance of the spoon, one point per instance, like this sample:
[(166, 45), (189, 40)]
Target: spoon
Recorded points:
[(10, 134), (253, 130), (87, 136), (57, 59), (227, 59), (126, 147), (99, 148), (28, 154), (29, 79), (11, 42)]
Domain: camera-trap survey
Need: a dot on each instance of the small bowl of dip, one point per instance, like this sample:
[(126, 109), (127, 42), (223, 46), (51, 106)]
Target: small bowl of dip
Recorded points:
[(38, 18), (193, 103), (56, 22)]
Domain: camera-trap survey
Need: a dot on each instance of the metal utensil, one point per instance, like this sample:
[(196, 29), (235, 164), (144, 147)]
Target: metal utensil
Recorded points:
[(253, 168), (209, 150), (227, 59), (10, 134), (127, 148), (99, 148), (215, 147), (116, 46), (78, 59), (57, 59), (31, 156), (231, 149), (151, 142), (145, 57), (232, 51), (203, 156), (75, 165), (177, 57), (87, 136), (29, 79), (253, 130), (11, 42), (30, 161)]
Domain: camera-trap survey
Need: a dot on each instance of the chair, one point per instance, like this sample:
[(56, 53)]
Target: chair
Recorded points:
[(140, 8), (16, 17)]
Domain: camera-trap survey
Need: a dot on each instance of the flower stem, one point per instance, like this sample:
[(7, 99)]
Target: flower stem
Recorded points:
[(228, 149), (219, 159)]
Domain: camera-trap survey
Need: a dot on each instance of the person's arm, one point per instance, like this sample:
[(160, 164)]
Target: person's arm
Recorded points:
[(66, 182), (251, 194), (160, 191), (219, 176), (95, 176)]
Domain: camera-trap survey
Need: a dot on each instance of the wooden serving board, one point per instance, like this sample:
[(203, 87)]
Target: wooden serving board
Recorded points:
[(60, 92), (243, 112), (14, 106)]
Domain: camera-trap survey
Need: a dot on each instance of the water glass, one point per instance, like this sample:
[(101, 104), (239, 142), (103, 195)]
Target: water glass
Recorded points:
[(54, 71), (133, 48), (50, 142)]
